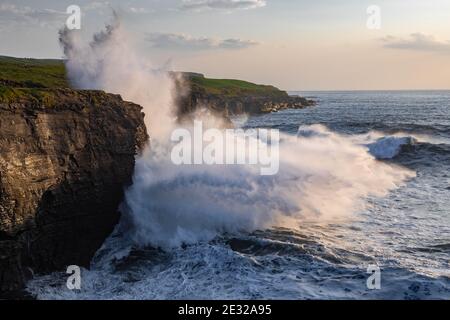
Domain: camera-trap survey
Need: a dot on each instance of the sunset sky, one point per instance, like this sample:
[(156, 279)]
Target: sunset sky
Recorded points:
[(293, 44)]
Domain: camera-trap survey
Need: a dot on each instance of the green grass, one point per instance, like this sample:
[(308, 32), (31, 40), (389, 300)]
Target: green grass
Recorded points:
[(38, 73), (38, 95), (234, 88), (23, 79)]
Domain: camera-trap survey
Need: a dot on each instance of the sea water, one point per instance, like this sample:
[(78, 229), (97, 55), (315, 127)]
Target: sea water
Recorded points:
[(405, 233)]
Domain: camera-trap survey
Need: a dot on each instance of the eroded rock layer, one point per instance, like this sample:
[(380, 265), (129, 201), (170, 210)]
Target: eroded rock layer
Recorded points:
[(65, 158)]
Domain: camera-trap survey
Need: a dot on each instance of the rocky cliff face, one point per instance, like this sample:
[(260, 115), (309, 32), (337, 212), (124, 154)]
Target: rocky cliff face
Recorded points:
[(193, 96), (65, 158), (241, 105)]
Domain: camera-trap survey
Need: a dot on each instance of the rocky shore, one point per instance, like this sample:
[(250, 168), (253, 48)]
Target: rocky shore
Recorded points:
[(234, 97), (242, 105)]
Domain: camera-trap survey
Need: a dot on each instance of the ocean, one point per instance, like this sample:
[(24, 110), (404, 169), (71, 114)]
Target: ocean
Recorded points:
[(208, 247)]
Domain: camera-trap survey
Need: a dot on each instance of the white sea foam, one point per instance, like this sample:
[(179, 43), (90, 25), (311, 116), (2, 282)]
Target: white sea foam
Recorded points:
[(322, 174), (379, 144), (109, 63)]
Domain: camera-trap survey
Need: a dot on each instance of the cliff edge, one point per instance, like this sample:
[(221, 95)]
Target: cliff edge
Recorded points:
[(65, 158), (228, 97)]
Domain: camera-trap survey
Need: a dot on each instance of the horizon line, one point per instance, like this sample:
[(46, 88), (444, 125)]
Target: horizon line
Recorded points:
[(365, 90), (287, 90)]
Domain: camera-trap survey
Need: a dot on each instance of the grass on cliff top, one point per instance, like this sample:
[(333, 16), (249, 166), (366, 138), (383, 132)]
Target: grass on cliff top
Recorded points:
[(33, 73), (23, 79), (41, 95), (234, 88), (42, 74)]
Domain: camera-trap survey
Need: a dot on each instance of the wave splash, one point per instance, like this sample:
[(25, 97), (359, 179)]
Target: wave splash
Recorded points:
[(109, 62), (389, 147), (323, 175)]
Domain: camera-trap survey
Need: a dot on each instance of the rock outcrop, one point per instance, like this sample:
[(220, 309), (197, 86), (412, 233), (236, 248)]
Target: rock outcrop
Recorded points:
[(232, 97), (65, 158), (241, 105)]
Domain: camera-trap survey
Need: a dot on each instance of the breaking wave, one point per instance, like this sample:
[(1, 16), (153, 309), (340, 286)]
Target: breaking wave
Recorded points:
[(390, 147), (322, 176)]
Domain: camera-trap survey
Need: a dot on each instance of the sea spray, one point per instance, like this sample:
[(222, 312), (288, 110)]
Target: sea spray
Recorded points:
[(322, 175), (226, 147), (321, 178), (109, 63)]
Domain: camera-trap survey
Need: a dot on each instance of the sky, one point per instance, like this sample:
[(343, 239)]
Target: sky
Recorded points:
[(293, 44)]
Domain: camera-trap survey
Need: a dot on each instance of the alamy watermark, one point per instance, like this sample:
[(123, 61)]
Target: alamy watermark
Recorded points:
[(74, 280), (73, 22), (374, 280), (258, 147), (374, 19)]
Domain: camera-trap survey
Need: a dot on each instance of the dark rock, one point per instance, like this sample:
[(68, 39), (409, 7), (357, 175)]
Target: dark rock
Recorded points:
[(65, 158), (229, 106), (191, 97)]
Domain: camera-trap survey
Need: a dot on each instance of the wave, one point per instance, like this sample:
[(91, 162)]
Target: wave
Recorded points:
[(380, 145), (261, 266), (322, 176), (389, 147)]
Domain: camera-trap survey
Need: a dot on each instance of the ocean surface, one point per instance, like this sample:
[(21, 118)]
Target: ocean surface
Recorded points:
[(405, 233)]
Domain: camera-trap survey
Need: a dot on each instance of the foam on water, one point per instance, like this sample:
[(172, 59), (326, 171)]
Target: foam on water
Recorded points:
[(277, 264), (323, 176), (202, 232)]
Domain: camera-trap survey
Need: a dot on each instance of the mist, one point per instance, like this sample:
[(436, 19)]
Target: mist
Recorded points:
[(322, 175), (109, 63)]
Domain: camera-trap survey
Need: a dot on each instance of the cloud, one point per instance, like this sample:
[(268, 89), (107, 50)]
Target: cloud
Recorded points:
[(139, 10), (96, 5), (185, 42), (13, 14), (417, 42), (101, 6), (222, 4)]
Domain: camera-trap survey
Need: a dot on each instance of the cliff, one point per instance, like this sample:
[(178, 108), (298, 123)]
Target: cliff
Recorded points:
[(222, 96), (65, 158), (232, 97)]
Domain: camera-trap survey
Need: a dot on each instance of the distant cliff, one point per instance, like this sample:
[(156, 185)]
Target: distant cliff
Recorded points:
[(232, 97), (193, 90), (65, 158)]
